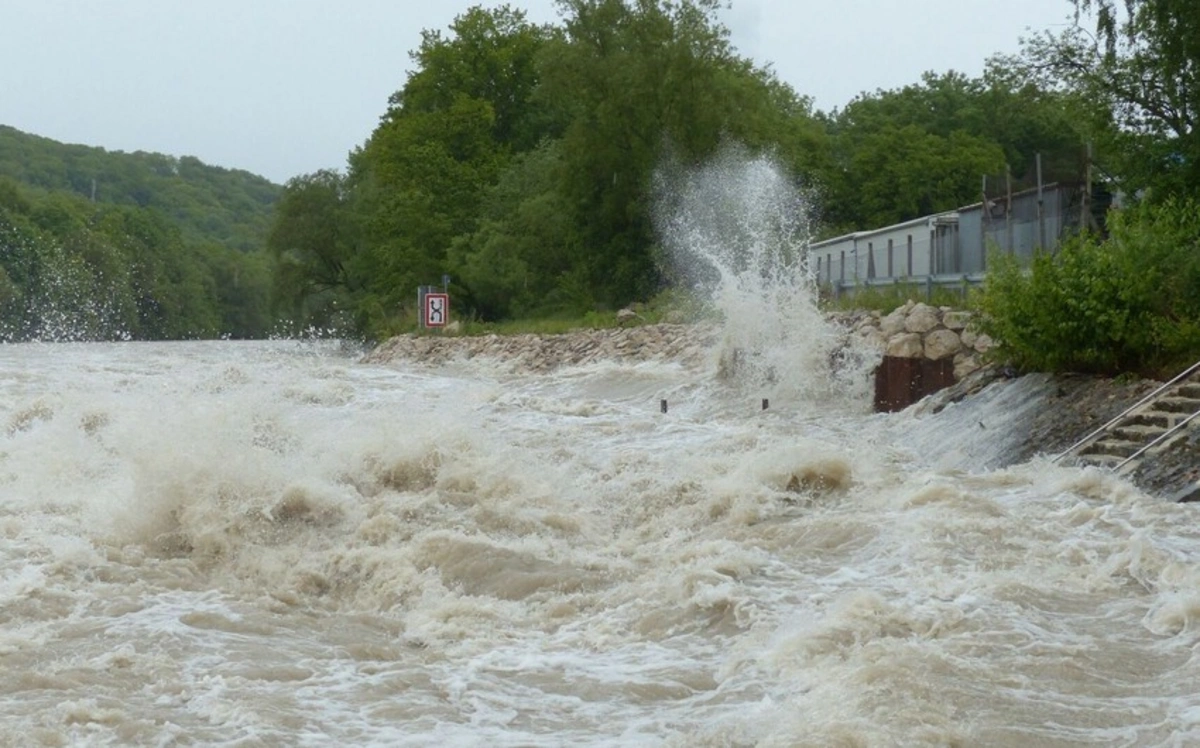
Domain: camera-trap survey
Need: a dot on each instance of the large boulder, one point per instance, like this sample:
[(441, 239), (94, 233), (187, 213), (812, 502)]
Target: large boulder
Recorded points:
[(941, 344), (906, 345), (893, 323), (956, 320), (874, 338), (965, 363), (922, 319), (984, 343)]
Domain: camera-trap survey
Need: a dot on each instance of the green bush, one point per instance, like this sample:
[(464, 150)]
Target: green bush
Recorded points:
[(1130, 302)]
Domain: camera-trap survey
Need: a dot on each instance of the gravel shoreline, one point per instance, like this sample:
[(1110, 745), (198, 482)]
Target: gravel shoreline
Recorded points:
[(1069, 406)]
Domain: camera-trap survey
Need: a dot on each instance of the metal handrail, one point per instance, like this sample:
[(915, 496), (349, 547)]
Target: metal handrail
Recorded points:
[(1186, 373), (1158, 439)]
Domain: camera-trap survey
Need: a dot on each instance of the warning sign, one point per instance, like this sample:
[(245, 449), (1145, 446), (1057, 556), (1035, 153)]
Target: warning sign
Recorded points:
[(437, 309)]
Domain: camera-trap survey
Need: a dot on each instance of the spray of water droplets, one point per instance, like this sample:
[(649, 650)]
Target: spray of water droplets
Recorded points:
[(735, 229)]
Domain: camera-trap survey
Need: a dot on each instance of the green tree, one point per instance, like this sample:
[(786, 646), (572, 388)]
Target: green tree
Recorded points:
[(1138, 79), (312, 240), (639, 81), (419, 181), (489, 56), (923, 148), (515, 263), (904, 172)]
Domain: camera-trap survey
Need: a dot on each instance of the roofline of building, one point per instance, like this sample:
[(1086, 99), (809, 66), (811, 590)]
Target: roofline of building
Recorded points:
[(930, 218), (923, 220)]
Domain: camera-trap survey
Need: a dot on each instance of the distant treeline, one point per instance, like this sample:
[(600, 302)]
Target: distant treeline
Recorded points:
[(96, 245), (209, 204), (519, 159)]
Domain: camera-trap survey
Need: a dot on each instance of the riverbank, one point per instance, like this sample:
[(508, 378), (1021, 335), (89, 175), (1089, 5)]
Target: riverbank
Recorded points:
[(687, 344), (1048, 413), (1045, 414)]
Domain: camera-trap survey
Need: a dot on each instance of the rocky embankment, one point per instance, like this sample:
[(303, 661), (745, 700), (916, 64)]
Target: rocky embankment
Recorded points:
[(1045, 414), (911, 331), (690, 345), (921, 331), (1056, 410)]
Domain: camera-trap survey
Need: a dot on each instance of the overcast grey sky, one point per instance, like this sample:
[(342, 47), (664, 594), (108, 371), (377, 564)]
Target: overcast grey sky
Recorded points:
[(286, 87)]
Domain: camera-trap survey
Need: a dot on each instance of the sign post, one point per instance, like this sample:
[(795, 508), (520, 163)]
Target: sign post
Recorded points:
[(435, 309)]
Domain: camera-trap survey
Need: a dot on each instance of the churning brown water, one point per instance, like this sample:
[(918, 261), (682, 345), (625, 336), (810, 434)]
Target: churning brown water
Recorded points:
[(248, 544), (268, 544)]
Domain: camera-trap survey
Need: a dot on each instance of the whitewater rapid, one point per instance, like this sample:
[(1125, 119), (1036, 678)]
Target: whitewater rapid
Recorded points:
[(228, 543)]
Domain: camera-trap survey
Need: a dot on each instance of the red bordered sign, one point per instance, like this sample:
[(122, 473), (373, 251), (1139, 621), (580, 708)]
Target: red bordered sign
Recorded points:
[(437, 309)]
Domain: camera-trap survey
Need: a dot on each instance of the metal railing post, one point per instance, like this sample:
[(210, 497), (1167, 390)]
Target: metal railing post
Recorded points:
[(1186, 373)]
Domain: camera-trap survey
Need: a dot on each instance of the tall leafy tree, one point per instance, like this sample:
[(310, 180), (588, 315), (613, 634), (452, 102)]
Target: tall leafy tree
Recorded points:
[(641, 80), (1140, 73), (490, 56), (419, 180), (313, 240), (519, 261), (923, 148)]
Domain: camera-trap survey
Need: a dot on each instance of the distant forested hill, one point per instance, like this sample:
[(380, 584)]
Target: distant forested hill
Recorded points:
[(209, 204), (98, 245)]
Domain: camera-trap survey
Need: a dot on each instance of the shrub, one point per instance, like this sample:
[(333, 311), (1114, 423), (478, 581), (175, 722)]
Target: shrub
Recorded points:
[(1130, 302)]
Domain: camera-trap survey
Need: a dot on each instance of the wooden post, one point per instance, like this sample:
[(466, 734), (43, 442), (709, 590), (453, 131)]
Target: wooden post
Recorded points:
[(1008, 229), (1085, 220), (985, 217), (1041, 208)]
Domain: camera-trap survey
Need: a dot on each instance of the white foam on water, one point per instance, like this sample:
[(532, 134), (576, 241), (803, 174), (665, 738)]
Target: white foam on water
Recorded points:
[(233, 542), (268, 543)]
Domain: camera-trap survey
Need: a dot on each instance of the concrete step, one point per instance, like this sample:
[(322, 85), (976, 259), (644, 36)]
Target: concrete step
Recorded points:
[(1169, 441), (1157, 418), (1137, 432), (1112, 446), (1188, 494), (1176, 404)]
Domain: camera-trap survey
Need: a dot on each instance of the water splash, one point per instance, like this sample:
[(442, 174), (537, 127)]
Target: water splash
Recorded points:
[(61, 298), (735, 229)]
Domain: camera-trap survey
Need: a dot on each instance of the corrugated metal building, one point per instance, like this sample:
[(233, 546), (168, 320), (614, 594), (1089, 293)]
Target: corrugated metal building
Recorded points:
[(954, 243)]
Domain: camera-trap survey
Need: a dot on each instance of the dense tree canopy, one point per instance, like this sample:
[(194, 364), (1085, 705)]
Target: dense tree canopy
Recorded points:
[(519, 159), (71, 269), (101, 245), (1136, 79), (1125, 302), (209, 204)]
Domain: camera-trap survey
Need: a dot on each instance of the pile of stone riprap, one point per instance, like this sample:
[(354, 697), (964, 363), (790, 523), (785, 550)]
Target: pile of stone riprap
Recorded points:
[(918, 330)]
